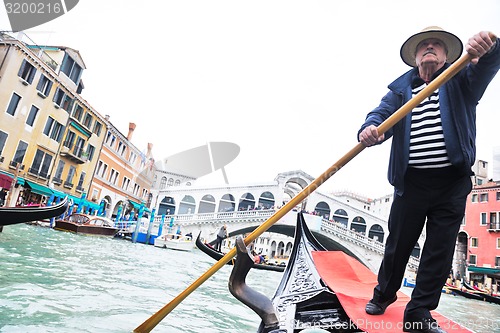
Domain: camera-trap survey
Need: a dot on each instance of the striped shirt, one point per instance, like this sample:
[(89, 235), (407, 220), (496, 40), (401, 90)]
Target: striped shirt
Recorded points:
[(427, 146)]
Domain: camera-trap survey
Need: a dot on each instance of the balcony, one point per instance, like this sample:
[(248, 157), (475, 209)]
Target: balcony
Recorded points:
[(494, 227), (14, 165), (76, 154)]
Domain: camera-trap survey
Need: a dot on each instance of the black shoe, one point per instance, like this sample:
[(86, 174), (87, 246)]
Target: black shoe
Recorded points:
[(378, 308), (424, 325)]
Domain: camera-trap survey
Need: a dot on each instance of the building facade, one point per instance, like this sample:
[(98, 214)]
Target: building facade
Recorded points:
[(50, 136), (124, 175), (478, 244)]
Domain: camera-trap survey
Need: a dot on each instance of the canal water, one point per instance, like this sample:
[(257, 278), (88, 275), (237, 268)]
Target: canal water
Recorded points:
[(53, 281)]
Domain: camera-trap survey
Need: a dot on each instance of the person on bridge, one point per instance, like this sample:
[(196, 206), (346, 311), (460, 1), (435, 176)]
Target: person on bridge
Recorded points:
[(433, 149), (221, 235)]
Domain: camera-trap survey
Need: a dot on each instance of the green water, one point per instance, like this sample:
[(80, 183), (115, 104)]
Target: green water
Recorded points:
[(53, 281)]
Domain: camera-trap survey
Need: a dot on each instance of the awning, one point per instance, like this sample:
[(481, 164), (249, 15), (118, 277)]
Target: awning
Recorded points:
[(483, 270), (5, 181), (38, 189), (137, 206)]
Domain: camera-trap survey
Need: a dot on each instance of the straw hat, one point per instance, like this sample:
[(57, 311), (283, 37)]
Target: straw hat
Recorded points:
[(452, 42)]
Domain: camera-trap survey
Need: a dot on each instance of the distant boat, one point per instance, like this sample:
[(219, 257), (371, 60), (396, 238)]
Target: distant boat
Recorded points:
[(87, 224), (22, 214), (175, 242)]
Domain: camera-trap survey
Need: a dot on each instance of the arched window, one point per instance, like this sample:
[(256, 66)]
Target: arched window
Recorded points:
[(187, 205), (247, 202), (266, 200), (340, 216), (358, 224), (322, 209), (226, 203), (376, 233), (207, 204)]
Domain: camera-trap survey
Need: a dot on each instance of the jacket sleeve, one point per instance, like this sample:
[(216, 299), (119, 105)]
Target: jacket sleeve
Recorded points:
[(389, 104), (480, 75)]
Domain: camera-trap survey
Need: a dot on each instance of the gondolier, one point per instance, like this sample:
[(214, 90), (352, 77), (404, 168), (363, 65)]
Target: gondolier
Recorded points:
[(221, 235), (433, 149)]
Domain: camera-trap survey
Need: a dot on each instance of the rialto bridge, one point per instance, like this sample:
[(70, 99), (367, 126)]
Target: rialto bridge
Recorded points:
[(336, 224)]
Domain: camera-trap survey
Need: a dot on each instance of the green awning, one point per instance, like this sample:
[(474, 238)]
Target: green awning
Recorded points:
[(483, 270), (137, 206), (38, 189)]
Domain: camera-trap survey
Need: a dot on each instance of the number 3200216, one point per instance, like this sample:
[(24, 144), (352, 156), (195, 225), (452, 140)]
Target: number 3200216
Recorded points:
[(33, 8)]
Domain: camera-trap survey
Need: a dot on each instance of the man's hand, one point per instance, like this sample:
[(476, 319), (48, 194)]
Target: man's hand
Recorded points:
[(478, 45), (369, 136)]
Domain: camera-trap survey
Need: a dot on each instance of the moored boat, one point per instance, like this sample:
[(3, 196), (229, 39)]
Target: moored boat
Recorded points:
[(87, 224), (217, 255), (22, 214), (175, 242), (322, 290)]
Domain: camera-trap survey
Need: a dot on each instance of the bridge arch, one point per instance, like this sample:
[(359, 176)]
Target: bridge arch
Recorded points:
[(247, 202), (358, 224), (376, 233), (187, 205), (323, 209), (340, 216)]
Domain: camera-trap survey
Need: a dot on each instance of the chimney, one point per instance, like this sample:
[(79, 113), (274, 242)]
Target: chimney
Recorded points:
[(150, 148), (131, 128)]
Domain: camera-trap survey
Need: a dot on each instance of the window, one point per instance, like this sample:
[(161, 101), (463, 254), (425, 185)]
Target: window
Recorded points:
[(32, 115), (170, 182), (136, 189), (77, 114), (163, 183), (497, 261), (44, 86), (126, 183), (62, 100), (69, 178), (53, 129), (483, 219), (70, 139), (474, 242), (79, 147), (20, 152), (3, 140), (27, 72), (498, 196), (14, 102), (472, 259), (113, 176), (97, 128), (132, 157), (88, 120), (90, 152), (71, 68), (79, 187), (59, 170), (110, 139), (498, 246), (483, 197), (474, 197), (41, 164)]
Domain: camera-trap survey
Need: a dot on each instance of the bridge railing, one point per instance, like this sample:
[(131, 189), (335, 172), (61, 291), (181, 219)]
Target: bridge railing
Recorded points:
[(200, 217)]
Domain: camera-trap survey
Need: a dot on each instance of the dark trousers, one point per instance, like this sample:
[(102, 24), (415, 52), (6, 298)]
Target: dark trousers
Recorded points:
[(218, 243), (435, 196)]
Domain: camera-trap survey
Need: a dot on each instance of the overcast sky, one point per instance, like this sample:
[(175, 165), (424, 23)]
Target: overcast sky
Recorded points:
[(290, 82)]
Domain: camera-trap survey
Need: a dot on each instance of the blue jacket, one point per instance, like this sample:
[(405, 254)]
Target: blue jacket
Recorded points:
[(457, 98)]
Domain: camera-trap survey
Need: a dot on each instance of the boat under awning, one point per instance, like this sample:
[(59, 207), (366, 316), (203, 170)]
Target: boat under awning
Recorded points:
[(5, 181), (38, 189), (484, 270)]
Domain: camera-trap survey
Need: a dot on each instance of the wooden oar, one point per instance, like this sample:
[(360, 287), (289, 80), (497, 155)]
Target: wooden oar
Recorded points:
[(151, 322)]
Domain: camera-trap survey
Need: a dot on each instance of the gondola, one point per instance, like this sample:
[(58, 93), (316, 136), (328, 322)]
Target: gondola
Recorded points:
[(473, 293), (21, 214), (217, 255), (322, 290)]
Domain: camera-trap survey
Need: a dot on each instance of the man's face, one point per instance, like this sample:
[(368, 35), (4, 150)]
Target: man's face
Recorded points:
[(431, 52)]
